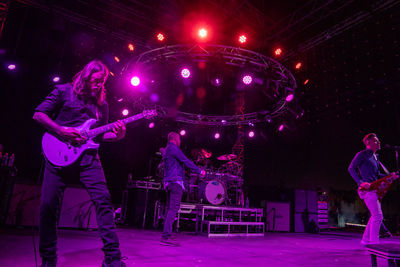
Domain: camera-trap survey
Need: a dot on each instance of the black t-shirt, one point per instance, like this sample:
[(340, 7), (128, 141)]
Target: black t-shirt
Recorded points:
[(66, 109)]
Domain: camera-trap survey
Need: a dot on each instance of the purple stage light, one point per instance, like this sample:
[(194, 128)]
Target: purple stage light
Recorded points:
[(182, 132), (11, 66), (289, 98), (56, 79), (281, 127), (247, 79), (125, 112), (135, 81), (151, 125), (251, 134), (185, 73), (217, 135)]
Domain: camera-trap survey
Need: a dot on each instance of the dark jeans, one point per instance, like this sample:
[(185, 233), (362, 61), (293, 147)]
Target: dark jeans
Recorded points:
[(174, 192), (54, 182)]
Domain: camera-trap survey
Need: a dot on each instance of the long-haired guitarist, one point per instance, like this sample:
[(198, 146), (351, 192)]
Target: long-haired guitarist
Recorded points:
[(364, 168), (68, 106)]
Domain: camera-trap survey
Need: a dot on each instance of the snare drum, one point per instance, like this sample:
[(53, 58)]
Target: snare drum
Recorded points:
[(213, 191)]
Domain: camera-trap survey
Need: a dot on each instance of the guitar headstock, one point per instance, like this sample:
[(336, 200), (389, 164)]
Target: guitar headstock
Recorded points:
[(149, 113)]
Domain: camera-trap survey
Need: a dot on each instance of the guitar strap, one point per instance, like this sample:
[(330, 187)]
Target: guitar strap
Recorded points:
[(383, 167)]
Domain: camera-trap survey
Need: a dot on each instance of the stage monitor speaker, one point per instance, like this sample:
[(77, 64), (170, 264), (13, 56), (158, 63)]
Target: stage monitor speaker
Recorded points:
[(134, 205), (278, 216), (24, 205), (77, 210)]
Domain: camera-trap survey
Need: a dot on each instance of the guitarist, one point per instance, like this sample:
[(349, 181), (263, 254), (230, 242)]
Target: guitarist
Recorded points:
[(364, 168), (70, 105)]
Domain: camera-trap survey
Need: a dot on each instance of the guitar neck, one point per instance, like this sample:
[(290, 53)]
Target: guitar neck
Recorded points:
[(108, 127)]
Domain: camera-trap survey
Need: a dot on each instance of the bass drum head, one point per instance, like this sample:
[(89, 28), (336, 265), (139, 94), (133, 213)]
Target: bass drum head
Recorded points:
[(215, 192)]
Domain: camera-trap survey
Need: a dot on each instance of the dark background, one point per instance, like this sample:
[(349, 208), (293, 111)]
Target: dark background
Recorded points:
[(353, 88)]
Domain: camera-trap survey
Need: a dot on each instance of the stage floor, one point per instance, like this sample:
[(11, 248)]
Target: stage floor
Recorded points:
[(142, 248)]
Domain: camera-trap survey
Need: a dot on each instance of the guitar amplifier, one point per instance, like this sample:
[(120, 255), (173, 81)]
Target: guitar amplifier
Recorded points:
[(138, 206), (77, 210)]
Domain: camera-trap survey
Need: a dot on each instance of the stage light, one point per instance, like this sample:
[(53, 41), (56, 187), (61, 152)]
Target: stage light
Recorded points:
[(151, 125), (298, 65), (56, 79), (251, 134), (116, 59), (112, 73), (11, 66), (185, 73), (182, 132), (160, 37), (202, 33), (306, 81), (242, 39), (247, 79), (125, 112), (131, 47), (289, 98), (281, 127), (223, 121), (135, 81), (120, 99), (278, 51), (217, 135)]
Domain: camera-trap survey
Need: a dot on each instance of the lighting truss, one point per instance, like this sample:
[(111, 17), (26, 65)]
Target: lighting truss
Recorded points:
[(279, 78)]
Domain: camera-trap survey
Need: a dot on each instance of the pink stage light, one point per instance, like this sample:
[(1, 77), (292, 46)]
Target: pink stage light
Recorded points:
[(289, 98), (125, 112), (281, 127), (116, 59), (278, 51), (185, 73), (135, 81), (160, 37), (151, 125), (251, 134), (182, 132), (11, 66), (247, 79), (242, 39), (202, 33), (56, 79), (217, 135), (306, 81), (131, 47), (298, 65)]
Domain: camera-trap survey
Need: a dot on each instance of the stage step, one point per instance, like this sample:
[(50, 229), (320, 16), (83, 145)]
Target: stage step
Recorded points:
[(234, 228)]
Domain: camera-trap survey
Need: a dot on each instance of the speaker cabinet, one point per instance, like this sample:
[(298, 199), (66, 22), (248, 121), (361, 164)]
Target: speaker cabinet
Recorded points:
[(77, 210), (277, 216), (24, 205)]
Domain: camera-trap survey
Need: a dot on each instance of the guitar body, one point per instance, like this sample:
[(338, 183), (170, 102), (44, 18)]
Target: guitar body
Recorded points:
[(61, 153), (381, 187)]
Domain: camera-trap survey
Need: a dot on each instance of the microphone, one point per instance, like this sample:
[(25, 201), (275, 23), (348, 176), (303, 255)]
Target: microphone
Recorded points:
[(392, 147)]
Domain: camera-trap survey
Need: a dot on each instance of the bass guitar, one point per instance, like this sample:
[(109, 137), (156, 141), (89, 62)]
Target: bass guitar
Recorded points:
[(63, 153)]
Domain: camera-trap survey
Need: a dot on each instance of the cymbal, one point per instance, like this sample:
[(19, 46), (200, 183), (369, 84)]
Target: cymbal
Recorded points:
[(227, 157)]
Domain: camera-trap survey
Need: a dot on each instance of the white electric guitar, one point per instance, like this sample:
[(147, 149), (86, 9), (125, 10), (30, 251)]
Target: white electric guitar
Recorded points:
[(62, 153)]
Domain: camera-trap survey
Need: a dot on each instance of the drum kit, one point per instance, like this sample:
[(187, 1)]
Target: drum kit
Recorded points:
[(219, 186)]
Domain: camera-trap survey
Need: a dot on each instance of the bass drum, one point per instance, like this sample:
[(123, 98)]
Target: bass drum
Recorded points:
[(213, 191)]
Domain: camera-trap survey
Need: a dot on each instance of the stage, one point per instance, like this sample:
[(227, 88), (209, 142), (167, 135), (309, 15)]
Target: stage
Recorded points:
[(142, 248)]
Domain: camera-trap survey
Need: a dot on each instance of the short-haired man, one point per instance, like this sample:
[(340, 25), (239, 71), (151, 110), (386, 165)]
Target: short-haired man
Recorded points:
[(174, 174), (364, 168)]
